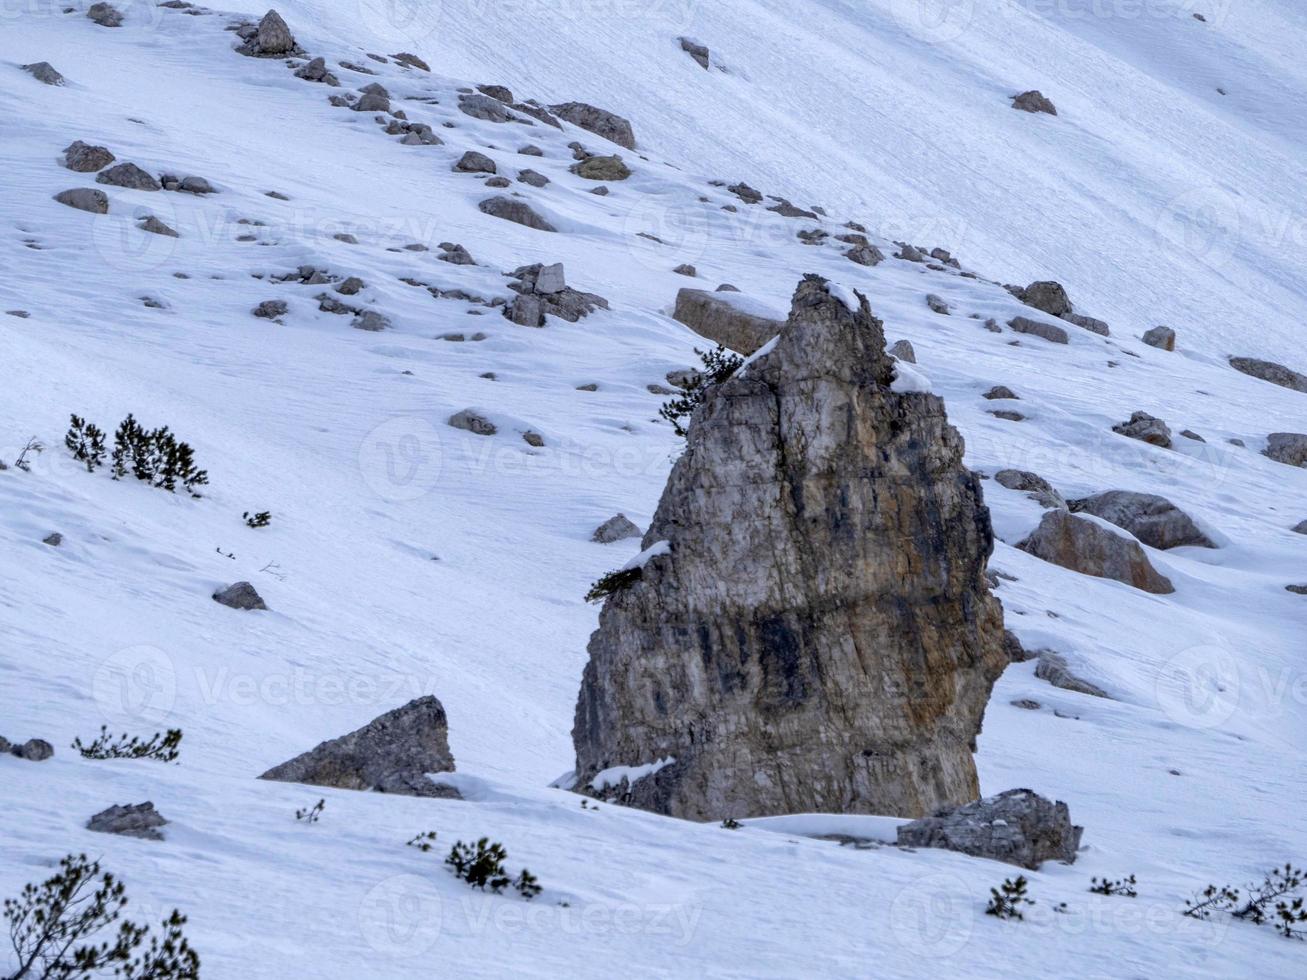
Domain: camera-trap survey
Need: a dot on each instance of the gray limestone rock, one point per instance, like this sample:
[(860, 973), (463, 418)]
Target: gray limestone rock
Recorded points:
[(134, 820), (1085, 546), (1154, 520), (240, 595), (1016, 827), (721, 321)]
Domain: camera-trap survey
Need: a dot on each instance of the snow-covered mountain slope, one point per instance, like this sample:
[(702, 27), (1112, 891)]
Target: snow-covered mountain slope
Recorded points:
[(409, 557)]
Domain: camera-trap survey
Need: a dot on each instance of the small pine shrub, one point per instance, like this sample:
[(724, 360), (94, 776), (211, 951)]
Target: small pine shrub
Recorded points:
[(163, 748), (718, 365), (730, 823), (312, 813), (1005, 901), (1122, 886), (260, 519), (482, 866), (614, 582), (85, 440), (1270, 900), (155, 457), (52, 928), (424, 841)]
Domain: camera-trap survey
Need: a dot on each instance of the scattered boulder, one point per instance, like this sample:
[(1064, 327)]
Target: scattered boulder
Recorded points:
[(316, 71), (1289, 448), (787, 210), (937, 304), (372, 98), (33, 750), (472, 421), (811, 629), (130, 176), (1051, 298), (270, 309), (156, 227), (106, 15), (549, 279), (500, 92), (455, 254), (865, 255), (1276, 374), (240, 595), (616, 528), (1053, 667), (1034, 101), (1300, 527), (84, 199), (1038, 328), (746, 193), (685, 269), (902, 350), (1145, 428), (370, 320), (1163, 338), (134, 820), (350, 286), (531, 150), (716, 316), (533, 439), (697, 51), (516, 211), (1154, 520), (602, 168), (411, 61), (272, 39), (45, 72), (1007, 414), (1086, 546), (601, 122), (393, 753), (1016, 827), (532, 178), (500, 182), (543, 289), (1000, 392), (473, 162), (54, 539), (480, 106)]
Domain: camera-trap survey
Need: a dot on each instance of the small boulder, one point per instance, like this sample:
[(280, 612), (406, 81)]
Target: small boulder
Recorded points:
[(350, 286), (1145, 428), (393, 753), (270, 309), (500, 92), (1016, 827), (532, 178), (473, 422), (455, 254), (937, 304), (480, 106), (370, 320), (602, 168), (1083, 545), (54, 539), (518, 212), (1038, 328), (156, 227), (134, 820), (685, 269), (1163, 338), (1154, 520), (33, 750), (84, 199), (550, 279), (1034, 101), (699, 52), (1289, 448), (106, 15), (1053, 667), (272, 39), (411, 61), (746, 193), (44, 72), (1276, 374), (712, 315), (1300, 527), (130, 176), (616, 528), (868, 255), (902, 350), (240, 595), (473, 162), (601, 122), (1046, 295), (316, 71), (1000, 392)]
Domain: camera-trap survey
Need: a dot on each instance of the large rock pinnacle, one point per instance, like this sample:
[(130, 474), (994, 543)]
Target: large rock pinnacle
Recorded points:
[(817, 634)]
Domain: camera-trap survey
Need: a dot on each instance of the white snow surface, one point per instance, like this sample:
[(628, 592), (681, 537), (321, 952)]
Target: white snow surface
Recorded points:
[(406, 557)]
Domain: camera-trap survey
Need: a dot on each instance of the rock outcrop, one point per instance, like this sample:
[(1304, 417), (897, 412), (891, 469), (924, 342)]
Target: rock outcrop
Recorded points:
[(809, 627), (390, 754), (1289, 448), (1152, 519), (1017, 827), (1276, 374), (601, 122), (725, 319), (1085, 546)]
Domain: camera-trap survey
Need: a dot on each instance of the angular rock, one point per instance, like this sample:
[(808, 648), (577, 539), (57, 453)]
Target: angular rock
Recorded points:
[(543, 289), (455, 254), (1163, 338), (390, 754), (472, 421), (134, 820), (33, 750), (370, 320), (1016, 827), (1092, 324), (685, 269), (105, 15), (601, 122), (84, 199), (85, 158), (787, 210), (865, 255), (902, 350), (240, 595), (1039, 328), (500, 92), (1146, 428), (316, 71), (1000, 392), (272, 39), (532, 178), (721, 321), (473, 162), (270, 309), (1276, 374), (746, 193), (516, 211), (1046, 295), (44, 72), (1289, 448), (1053, 667), (697, 51), (550, 279), (810, 627), (602, 168), (937, 304), (1033, 101), (480, 106), (156, 227), (1300, 527), (616, 528), (1085, 546), (411, 61), (54, 539), (130, 176), (351, 286), (1154, 520)]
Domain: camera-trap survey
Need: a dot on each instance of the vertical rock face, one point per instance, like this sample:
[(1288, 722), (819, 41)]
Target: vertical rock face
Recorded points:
[(812, 629)]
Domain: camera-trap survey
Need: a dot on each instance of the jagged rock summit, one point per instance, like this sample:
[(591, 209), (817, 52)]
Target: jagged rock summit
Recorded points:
[(809, 627)]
